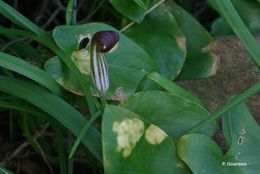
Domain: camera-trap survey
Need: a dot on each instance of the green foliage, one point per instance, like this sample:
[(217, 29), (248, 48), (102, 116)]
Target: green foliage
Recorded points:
[(242, 135), (22, 67), (54, 106), (143, 129), (249, 13), (238, 27), (127, 58), (161, 37), (173, 88), (198, 63), (133, 145), (134, 10), (172, 113)]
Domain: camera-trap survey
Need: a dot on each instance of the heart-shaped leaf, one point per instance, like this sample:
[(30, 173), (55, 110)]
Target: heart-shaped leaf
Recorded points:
[(174, 114), (161, 37), (243, 136), (198, 64), (62, 75), (127, 62), (131, 145)]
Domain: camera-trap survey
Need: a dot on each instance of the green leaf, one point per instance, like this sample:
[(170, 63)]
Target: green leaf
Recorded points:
[(174, 114), (30, 71), (127, 62), (196, 150), (243, 136), (23, 107), (172, 87), (249, 13), (227, 10), (131, 145), (62, 75), (142, 4), (161, 37), (221, 27), (56, 107), (134, 10), (18, 18), (198, 64), (21, 47)]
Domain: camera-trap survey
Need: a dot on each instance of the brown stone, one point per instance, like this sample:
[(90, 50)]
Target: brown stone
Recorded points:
[(236, 73)]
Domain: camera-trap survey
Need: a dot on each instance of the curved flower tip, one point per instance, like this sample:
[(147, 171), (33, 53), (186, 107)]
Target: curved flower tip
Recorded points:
[(105, 40)]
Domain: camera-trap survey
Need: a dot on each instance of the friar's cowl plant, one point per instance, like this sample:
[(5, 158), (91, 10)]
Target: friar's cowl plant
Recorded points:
[(144, 129), (101, 42)]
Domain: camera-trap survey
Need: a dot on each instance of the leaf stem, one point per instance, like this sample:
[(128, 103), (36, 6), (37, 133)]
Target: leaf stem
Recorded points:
[(232, 103), (71, 13), (148, 11)]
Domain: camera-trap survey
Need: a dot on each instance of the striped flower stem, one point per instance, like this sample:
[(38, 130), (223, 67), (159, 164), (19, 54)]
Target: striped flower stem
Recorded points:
[(101, 43)]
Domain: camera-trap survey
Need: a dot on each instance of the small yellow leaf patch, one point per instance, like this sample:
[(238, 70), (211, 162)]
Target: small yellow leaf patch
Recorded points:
[(181, 41), (128, 133), (154, 135), (82, 60)]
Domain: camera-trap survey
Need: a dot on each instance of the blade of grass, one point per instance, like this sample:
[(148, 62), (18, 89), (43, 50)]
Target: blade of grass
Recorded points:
[(71, 12), (23, 108), (170, 86), (5, 171), (49, 43), (17, 18), (83, 132), (232, 103), (227, 10), (56, 108), (15, 31), (22, 67)]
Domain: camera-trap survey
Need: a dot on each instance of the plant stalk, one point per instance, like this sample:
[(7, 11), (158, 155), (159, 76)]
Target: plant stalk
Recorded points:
[(232, 103)]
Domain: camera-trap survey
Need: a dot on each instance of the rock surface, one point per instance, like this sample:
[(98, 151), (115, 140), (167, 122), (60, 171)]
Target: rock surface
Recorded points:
[(236, 73)]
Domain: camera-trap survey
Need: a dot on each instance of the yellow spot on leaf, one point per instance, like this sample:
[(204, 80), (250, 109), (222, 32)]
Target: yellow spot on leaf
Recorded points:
[(128, 133), (154, 134), (181, 41), (82, 60)]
